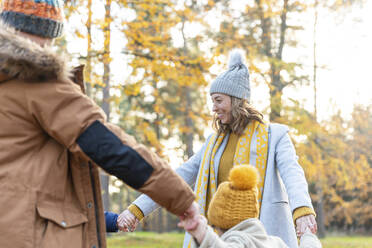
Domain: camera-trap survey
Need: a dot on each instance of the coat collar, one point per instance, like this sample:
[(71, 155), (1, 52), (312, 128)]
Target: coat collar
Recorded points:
[(20, 58)]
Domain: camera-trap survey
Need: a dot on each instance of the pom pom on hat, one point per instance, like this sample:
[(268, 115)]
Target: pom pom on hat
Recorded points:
[(235, 81), (243, 177), (236, 58)]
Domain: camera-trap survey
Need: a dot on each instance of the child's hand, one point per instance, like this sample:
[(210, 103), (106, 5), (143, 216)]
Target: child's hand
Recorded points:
[(190, 217), (199, 231)]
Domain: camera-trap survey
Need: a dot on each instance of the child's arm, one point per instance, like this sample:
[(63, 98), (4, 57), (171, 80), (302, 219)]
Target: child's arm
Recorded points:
[(309, 240), (111, 222), (205, 237)]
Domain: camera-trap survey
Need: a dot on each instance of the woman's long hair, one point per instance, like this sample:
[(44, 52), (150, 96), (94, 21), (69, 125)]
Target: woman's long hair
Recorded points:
[(242, 113)]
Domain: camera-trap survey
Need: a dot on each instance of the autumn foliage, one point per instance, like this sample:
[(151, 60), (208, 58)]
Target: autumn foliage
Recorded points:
[(152, 61)]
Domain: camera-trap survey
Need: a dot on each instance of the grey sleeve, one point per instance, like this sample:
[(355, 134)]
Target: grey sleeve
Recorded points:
[(292, 173)]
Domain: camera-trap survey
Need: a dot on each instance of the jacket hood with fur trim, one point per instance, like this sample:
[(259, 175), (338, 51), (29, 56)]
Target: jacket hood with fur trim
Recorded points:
[(22, 59)]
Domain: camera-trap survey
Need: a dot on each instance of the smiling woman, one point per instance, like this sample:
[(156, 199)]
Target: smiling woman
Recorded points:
[(233, 113), (222, 108), (243, 138)]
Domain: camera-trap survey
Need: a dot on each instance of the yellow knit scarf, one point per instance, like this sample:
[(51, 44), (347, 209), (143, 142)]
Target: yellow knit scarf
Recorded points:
[(205, 186), (206, 181)]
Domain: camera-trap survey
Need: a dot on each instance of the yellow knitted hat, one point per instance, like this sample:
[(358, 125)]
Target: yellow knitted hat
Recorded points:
[(235, 200)]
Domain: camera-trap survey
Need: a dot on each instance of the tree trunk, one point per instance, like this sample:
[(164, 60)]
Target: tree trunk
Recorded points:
[(189, 137), (165, 221), (276, 92), (106, 93), (319, 190), (320, 213), (121, 199), (88, 68), (105, 193), (315, 62), (160, 221), (276, 85)]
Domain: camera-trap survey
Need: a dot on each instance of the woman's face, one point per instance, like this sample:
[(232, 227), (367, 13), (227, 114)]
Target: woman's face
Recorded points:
[(222, 107)]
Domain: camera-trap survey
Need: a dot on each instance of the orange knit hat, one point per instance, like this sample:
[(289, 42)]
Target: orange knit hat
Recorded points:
[(235, 200), (43, 18)]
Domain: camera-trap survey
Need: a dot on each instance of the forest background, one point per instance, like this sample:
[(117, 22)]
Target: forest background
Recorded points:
[(149, 64)]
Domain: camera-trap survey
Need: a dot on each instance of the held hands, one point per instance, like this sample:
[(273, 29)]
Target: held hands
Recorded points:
[(199, 231), (190, 217), (194, 223), (306, 222), (127, 222)]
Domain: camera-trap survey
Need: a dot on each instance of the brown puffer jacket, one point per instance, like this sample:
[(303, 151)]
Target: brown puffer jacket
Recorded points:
[(52, 137)]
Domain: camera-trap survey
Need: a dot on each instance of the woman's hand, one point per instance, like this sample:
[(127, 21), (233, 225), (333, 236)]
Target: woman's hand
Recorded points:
[(127, 222), (306, 222)]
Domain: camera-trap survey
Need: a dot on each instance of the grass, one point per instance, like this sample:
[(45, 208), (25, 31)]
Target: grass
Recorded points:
[(347, 241), (174, 240), (145, 240)]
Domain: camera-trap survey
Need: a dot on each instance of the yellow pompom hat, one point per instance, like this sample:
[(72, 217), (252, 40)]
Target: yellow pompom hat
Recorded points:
[(235, 200)]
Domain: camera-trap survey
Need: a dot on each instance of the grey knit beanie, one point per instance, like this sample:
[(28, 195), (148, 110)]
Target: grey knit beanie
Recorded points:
[(234, 81)]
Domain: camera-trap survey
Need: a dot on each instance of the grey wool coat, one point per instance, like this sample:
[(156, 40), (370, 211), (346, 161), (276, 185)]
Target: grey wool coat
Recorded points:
[(285, 187)]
